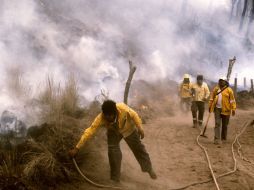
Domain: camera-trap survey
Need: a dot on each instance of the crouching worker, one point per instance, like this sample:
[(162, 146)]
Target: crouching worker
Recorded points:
[(121, 122), (223, 104)]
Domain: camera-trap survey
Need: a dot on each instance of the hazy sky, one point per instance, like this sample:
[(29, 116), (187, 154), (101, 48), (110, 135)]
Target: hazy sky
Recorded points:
[(95, 39)]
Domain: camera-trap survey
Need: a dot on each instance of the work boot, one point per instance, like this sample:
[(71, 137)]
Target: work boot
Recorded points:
[(115, 179), (217, 141), (195, 123), (152, 174)]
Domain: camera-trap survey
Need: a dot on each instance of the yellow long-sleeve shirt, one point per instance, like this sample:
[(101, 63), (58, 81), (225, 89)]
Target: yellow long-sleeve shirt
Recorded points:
[(228, 102), (185, 90), (201, 93), (127, 121)]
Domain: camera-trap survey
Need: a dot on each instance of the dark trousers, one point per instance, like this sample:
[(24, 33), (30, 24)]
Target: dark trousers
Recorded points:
[(221, 124), (115, 154), (198, 110)]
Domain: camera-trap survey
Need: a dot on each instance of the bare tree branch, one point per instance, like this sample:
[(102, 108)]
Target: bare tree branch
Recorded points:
[(243, 14), (128, 83)]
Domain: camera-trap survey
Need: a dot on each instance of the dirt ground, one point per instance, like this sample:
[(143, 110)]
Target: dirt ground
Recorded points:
[(178, 161)]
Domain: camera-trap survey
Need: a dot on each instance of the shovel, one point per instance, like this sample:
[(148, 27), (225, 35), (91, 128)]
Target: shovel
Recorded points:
[(210, 112), (204, 130)]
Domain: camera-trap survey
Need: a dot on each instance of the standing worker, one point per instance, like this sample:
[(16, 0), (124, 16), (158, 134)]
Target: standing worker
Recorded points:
[(185, 93), (121, 122), (201, 94), (223, 104)]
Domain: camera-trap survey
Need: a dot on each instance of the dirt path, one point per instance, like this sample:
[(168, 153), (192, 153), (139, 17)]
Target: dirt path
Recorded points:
[(171, 142)]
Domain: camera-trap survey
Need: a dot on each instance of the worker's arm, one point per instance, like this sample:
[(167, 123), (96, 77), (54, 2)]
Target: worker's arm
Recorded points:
[(138, 122), (89, 132), (180, 89), (212, 99), (135, 117), (192, 89), (232, 101), (207, 92)]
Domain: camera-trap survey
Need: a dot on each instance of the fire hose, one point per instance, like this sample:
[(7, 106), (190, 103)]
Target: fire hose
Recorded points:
[(90, 181), (238, 134), (214, 178)]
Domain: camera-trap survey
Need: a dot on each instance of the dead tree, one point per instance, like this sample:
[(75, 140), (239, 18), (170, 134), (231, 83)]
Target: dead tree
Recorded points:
[(230, 67), (232, 8), (243, 14), (250, 19), (239, 8), (128, 83)]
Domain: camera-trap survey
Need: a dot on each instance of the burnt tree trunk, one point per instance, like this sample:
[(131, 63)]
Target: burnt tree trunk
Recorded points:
[(232, 9), (243, 14), (231, 63), (128, 83), (250, 19), (238, 8)]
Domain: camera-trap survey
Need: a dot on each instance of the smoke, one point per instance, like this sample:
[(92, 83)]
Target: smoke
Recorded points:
[(95, 39)]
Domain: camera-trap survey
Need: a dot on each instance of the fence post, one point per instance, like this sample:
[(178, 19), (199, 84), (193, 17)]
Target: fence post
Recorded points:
[(251, 87), (235, 88)]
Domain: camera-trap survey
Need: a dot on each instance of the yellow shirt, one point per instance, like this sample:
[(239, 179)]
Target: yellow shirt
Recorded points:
[(228, 102), (185, 90), (201, 93), (127, 120)]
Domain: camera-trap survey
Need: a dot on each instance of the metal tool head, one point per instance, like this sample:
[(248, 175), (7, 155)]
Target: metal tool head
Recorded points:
[(203, 135)]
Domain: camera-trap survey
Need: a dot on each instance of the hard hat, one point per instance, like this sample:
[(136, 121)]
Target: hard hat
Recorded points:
[(223, 78), (186, 76)]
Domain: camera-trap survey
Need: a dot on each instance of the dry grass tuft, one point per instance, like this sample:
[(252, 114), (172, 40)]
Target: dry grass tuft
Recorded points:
[(16, 84), (11, 170), (58, 101), (43, 158)]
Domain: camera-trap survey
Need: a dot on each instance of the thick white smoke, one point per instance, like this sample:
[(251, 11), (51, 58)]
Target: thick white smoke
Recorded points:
[(95, 39)]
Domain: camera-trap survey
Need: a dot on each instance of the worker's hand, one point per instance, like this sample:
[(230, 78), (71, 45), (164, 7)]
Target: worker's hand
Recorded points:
[(233, 112), (73, 152), (141, 133), (210, 110)]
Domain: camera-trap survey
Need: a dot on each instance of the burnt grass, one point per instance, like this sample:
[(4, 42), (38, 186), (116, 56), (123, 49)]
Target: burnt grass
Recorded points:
[(41, 160)]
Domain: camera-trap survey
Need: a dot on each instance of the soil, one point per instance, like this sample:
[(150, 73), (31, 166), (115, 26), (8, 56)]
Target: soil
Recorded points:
[(178, 161)]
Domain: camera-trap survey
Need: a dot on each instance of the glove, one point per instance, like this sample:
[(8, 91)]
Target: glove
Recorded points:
[(73, 152), (233, 112), (141, 133)]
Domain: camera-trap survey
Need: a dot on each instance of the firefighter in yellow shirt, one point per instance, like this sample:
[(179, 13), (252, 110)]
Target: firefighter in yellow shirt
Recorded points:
[(201, 94), (223, 104), (121, 122), (185, 93)]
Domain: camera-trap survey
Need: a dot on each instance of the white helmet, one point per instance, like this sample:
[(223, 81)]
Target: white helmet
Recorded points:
[(186, 76), (223, 78)]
